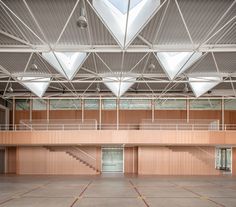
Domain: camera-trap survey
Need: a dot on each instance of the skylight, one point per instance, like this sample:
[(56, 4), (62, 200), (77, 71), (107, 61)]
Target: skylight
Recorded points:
[(122, 5), (37, 85), (117, 18), (175, 63), (201, 85), (118, 85), (66, 63)]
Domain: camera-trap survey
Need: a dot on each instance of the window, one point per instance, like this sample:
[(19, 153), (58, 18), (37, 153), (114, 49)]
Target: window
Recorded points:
[(109, 104), (205, 104), (170, 104), (141, 104), (65, 104), (91, 104), (39, 104), (22, 104), (230, 104)]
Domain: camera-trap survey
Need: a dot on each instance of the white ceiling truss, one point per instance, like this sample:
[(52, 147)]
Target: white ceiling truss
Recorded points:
[(128, 52)]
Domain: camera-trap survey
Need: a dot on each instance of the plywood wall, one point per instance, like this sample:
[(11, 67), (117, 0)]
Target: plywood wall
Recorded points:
[(177, 161), (131, 160), (11, 160), (234, 161), (39, 160)]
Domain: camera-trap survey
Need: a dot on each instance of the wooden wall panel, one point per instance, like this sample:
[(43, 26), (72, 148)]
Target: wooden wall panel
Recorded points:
[(91, 114), (39, 160), (177, 161), (230, 117), (109, 116), (134, 116), (39, 114), (11, 160), (204, 114), (21, 115), (170, 114), (131, 159), (65, 114), (234, 161)]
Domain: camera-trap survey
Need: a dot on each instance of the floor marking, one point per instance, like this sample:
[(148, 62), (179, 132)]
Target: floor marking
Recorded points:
[(6, 201), (140, 195), (216, 203), (74, 202)]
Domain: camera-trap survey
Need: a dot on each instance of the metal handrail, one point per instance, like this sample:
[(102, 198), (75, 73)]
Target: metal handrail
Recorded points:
[(130, 126)]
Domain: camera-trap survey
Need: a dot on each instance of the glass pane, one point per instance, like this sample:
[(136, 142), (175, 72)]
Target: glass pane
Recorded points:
[(39, 104), (112, 160), (109, 104), (205, 104), (135, 104), (65, 104), (170, 104), (22, 104), (230, 104), (91, 104)]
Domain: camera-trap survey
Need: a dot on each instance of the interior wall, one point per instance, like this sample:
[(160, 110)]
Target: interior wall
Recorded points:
[(40, 160), (131, 160), (177, 161), (234, 161), (170, 114), (127, 116), (2, 160), (11, 160)]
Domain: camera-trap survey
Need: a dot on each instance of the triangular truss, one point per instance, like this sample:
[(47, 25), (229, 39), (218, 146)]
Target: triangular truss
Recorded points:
[(201, 84), (175, 63), (118, 84), (36, 83), (66, 63), (125, 18)]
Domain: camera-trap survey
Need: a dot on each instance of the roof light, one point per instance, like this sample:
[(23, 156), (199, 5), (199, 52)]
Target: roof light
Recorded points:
[(201, 85), (118, 84), (175, 63), (66, 63), (116, 16), (36, 83)]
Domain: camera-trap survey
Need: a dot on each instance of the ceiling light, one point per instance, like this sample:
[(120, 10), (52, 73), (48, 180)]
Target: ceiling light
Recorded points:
[(185, 89), (82, 21), (151, 67), (10, 89), (34, 67), (98, 88)]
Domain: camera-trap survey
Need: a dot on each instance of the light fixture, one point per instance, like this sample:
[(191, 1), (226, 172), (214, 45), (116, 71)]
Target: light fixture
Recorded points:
[(151, 67), (98, 88), (82, 21), (34, 67), (185, 89), (10, 89)]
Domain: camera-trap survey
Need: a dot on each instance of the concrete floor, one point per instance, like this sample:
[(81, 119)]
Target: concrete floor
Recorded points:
[(117, 190)]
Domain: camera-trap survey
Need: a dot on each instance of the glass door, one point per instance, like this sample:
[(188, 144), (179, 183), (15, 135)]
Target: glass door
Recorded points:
[(2, 161), (112, 160), (223, 159)]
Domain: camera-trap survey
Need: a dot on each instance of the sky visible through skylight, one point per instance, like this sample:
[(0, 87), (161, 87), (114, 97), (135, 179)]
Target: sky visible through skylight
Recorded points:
[(122, 5)]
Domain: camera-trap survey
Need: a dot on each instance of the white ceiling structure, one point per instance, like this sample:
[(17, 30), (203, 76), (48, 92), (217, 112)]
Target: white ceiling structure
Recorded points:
[(130, 48)]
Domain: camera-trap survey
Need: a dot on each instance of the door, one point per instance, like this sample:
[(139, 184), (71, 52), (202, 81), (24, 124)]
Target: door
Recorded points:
[(112, 160), (2, 161), (223, 159)]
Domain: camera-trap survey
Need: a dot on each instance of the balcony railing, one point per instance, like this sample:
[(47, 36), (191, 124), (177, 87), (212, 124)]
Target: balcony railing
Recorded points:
[(65, 127)]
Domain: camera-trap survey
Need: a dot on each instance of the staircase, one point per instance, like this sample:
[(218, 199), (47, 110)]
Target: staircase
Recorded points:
[(79, 155)]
